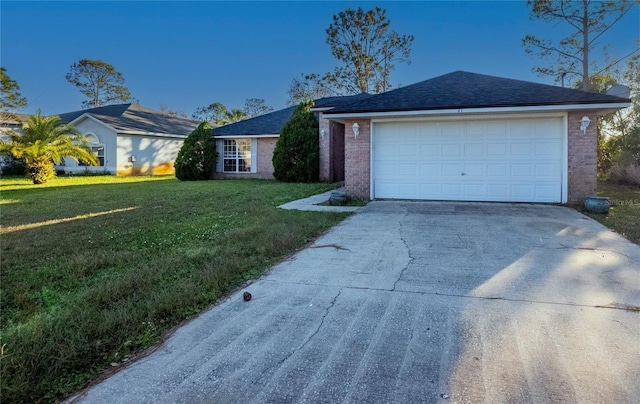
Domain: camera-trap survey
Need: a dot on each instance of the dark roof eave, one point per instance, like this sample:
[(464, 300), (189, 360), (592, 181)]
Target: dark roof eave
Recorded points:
[(471, 107)]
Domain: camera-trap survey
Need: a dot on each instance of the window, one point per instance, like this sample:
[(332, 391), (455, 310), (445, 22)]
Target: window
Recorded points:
[(98, 151), (236, 155), (96, 148)]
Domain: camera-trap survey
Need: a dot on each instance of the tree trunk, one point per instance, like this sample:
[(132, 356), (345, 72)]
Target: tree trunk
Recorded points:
[(585, 45)]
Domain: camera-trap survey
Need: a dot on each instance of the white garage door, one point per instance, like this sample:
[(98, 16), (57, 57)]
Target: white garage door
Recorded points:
[(512, 160)]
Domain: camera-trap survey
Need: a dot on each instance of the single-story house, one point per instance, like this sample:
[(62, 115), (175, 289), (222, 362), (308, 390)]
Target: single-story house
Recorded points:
[(129, 139), (461, 137), (472, 137), (246, 148)]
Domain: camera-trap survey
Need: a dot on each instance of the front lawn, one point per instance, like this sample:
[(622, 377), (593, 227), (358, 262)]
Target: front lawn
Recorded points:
[(96, 269), (624, 214)]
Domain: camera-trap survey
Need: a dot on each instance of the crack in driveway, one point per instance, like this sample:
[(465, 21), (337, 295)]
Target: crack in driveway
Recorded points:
[(411, 258)]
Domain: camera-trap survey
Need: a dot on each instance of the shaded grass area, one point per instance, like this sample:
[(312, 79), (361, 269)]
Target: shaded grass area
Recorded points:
[(95, 269), (624, 214)]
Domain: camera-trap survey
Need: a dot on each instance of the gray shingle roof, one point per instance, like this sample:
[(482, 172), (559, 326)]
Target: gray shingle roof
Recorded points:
[(340, 101), (130, 117), (471, 90), (267, 124), (273, 122)]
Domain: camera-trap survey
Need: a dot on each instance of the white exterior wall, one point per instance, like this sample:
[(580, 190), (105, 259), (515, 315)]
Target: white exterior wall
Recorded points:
[(154, 155), (107, 138)]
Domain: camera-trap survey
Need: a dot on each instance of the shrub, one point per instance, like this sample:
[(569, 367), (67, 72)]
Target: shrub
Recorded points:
[(198, 155), (296, 157), (13, 166), (628, 173)]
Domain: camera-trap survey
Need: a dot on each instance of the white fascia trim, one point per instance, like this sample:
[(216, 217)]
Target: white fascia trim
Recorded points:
[(321, 109), (244, 136), (135, 132), (94, 119), (471, 111), (471, 117)]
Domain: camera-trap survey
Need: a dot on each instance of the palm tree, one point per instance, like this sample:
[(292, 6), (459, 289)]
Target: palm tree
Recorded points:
[(46, 141), (235, 115)]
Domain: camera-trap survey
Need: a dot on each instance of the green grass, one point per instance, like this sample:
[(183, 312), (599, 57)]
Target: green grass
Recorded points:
[(96, 269), (624, 214)]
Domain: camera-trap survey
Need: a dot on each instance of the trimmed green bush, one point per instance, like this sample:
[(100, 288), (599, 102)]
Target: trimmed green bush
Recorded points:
[(296, 157), (198, 155)]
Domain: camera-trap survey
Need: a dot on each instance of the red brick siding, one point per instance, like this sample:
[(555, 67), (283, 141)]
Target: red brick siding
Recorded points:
[(265, 148), (582, 155), (357, 167)]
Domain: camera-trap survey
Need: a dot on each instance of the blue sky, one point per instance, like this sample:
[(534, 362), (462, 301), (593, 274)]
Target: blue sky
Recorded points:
[(189, 54)]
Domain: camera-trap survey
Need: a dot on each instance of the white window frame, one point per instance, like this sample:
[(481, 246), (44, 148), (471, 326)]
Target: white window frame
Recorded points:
[(96, 148), (234, 154)]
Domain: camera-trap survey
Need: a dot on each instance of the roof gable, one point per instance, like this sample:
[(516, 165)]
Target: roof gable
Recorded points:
[(134, 118), (463, 90)]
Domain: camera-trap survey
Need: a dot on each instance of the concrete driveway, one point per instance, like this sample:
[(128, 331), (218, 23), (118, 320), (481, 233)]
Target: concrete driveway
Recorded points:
[(418, 302)]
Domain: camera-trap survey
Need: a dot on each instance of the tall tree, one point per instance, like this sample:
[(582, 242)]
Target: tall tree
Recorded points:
[(45, 141), (217, 114), (213, 113), (361, 40), (10, 97), (588, 20), (99, 81), (256, 106), (170, 112), (235, 115), (308, 88), (367, 50)]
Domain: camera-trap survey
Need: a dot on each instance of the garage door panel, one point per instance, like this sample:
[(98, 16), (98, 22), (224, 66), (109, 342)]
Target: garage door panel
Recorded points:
[(497, 192), (522, 192), (451, 191), (474, 130), (428, 171), (489, 160), (548, 149), (473, 170), (520, 149), (546, 192), (473, 150), (497, 129), (500, 170), (521, 170), (449, 130), (449, 150), (408, 170), (547, 171), (451, 170), (429, 150), (474, 191)]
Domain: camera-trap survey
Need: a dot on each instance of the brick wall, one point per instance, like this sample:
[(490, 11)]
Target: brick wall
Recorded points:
[(357, 158), (265, 148), (582, 154)]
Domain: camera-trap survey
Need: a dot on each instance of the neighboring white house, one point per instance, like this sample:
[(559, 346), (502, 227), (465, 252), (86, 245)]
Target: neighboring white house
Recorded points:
[(129, 139)]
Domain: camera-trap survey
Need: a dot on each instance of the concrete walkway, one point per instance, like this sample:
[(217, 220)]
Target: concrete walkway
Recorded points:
[(411, 302), (311, 203)]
